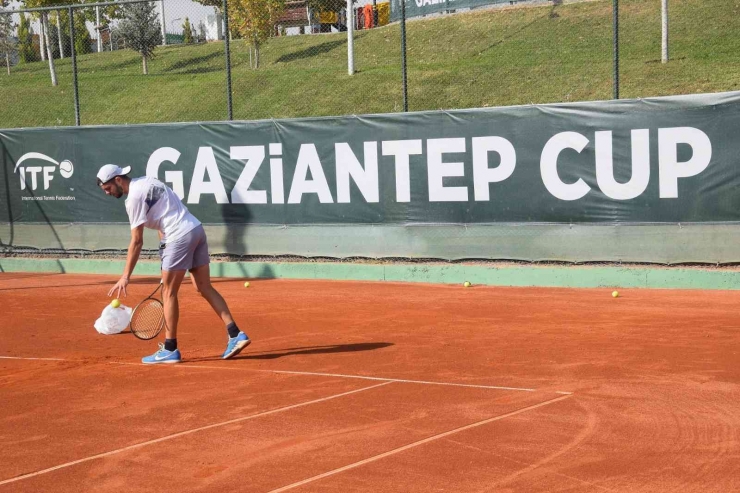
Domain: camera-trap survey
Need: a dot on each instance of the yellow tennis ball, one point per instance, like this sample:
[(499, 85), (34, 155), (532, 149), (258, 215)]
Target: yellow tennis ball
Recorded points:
[(115, 303), (466, 284), (246, 284), (615, 293)]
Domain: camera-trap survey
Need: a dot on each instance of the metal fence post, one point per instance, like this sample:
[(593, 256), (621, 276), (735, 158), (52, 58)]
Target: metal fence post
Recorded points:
[(225, 6), (403, 57), (615, 16), (350, 38), (74, 65), (664, 29)]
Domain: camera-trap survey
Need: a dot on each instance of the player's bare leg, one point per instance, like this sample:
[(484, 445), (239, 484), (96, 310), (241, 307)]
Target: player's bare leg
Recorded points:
[(172, 281), (201, 278), (238, 340)]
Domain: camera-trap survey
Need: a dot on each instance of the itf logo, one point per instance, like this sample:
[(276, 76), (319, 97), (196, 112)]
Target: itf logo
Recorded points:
[(30, 174)]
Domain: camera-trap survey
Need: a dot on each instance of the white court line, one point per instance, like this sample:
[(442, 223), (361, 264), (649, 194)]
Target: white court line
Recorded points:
[(313, 374), (187, 432), (34, 359), (398, 380), (415, 444), (306, 373), (339, 375)]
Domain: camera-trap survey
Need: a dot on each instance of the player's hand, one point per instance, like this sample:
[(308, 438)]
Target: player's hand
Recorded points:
[(120, 286)]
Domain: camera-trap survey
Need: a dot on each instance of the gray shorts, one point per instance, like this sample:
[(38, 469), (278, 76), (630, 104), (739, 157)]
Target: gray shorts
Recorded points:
[(185, 253)]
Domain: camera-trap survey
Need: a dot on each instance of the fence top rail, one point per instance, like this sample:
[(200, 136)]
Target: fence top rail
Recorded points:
[(74, 6)]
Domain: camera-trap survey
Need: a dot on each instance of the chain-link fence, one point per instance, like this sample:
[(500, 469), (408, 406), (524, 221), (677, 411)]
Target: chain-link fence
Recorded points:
[(701, 52), (510, 56), (180, 60)]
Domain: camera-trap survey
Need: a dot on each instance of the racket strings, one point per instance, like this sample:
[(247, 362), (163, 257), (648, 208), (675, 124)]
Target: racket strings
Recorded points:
[(148, 319)]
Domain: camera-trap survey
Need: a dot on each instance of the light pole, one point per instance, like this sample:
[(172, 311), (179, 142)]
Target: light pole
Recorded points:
[(97, 28), (164, 24)]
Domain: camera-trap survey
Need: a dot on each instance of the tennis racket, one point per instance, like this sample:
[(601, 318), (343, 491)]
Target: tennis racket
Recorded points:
[(147, 320)]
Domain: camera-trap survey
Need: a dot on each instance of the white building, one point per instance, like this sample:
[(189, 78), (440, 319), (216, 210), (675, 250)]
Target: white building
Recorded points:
[(214, 27)]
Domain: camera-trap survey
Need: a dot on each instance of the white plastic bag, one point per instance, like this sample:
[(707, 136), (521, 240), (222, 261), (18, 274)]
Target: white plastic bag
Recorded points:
[(113, 320)]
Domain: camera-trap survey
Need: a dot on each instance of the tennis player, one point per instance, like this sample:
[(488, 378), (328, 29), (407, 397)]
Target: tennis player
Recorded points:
[(183, 247)]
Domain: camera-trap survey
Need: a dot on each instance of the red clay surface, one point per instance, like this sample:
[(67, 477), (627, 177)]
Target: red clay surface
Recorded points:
[(635, 394)]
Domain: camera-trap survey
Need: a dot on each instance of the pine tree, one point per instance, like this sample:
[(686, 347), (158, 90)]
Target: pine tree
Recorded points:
[(187, 32)]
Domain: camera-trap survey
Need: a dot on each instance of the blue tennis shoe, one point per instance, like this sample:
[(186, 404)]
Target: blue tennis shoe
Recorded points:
[(236, 344), (162, 356)]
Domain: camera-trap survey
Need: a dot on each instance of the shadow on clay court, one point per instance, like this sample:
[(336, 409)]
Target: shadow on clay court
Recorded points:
[(339, 348)]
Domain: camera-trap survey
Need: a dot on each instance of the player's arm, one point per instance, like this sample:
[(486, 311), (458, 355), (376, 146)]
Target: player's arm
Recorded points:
[(134, 250)]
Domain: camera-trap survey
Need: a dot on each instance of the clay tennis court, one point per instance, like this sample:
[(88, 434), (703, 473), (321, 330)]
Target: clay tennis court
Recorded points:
[(352, 386)]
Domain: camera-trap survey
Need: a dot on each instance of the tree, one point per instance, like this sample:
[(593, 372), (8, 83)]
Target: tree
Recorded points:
[(141, 30), (26, 53), (187, 32), (59, 36), (42, 49), (46, 44), (255, 20), (217, 4), (107, 14), (83, 41), (60, 41), (7, 43)]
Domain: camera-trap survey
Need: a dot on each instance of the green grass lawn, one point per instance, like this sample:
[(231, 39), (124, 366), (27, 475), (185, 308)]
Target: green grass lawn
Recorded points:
[(477, 59)]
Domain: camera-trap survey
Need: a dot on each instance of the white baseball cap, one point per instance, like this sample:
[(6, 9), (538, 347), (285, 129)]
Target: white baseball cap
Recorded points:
[(110, 171)]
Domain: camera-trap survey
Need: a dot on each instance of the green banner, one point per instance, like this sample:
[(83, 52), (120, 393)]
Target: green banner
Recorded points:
[(416, 8), (663, 160)]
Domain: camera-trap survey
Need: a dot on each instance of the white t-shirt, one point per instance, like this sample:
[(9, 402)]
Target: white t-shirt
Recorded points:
[(153, 204)]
